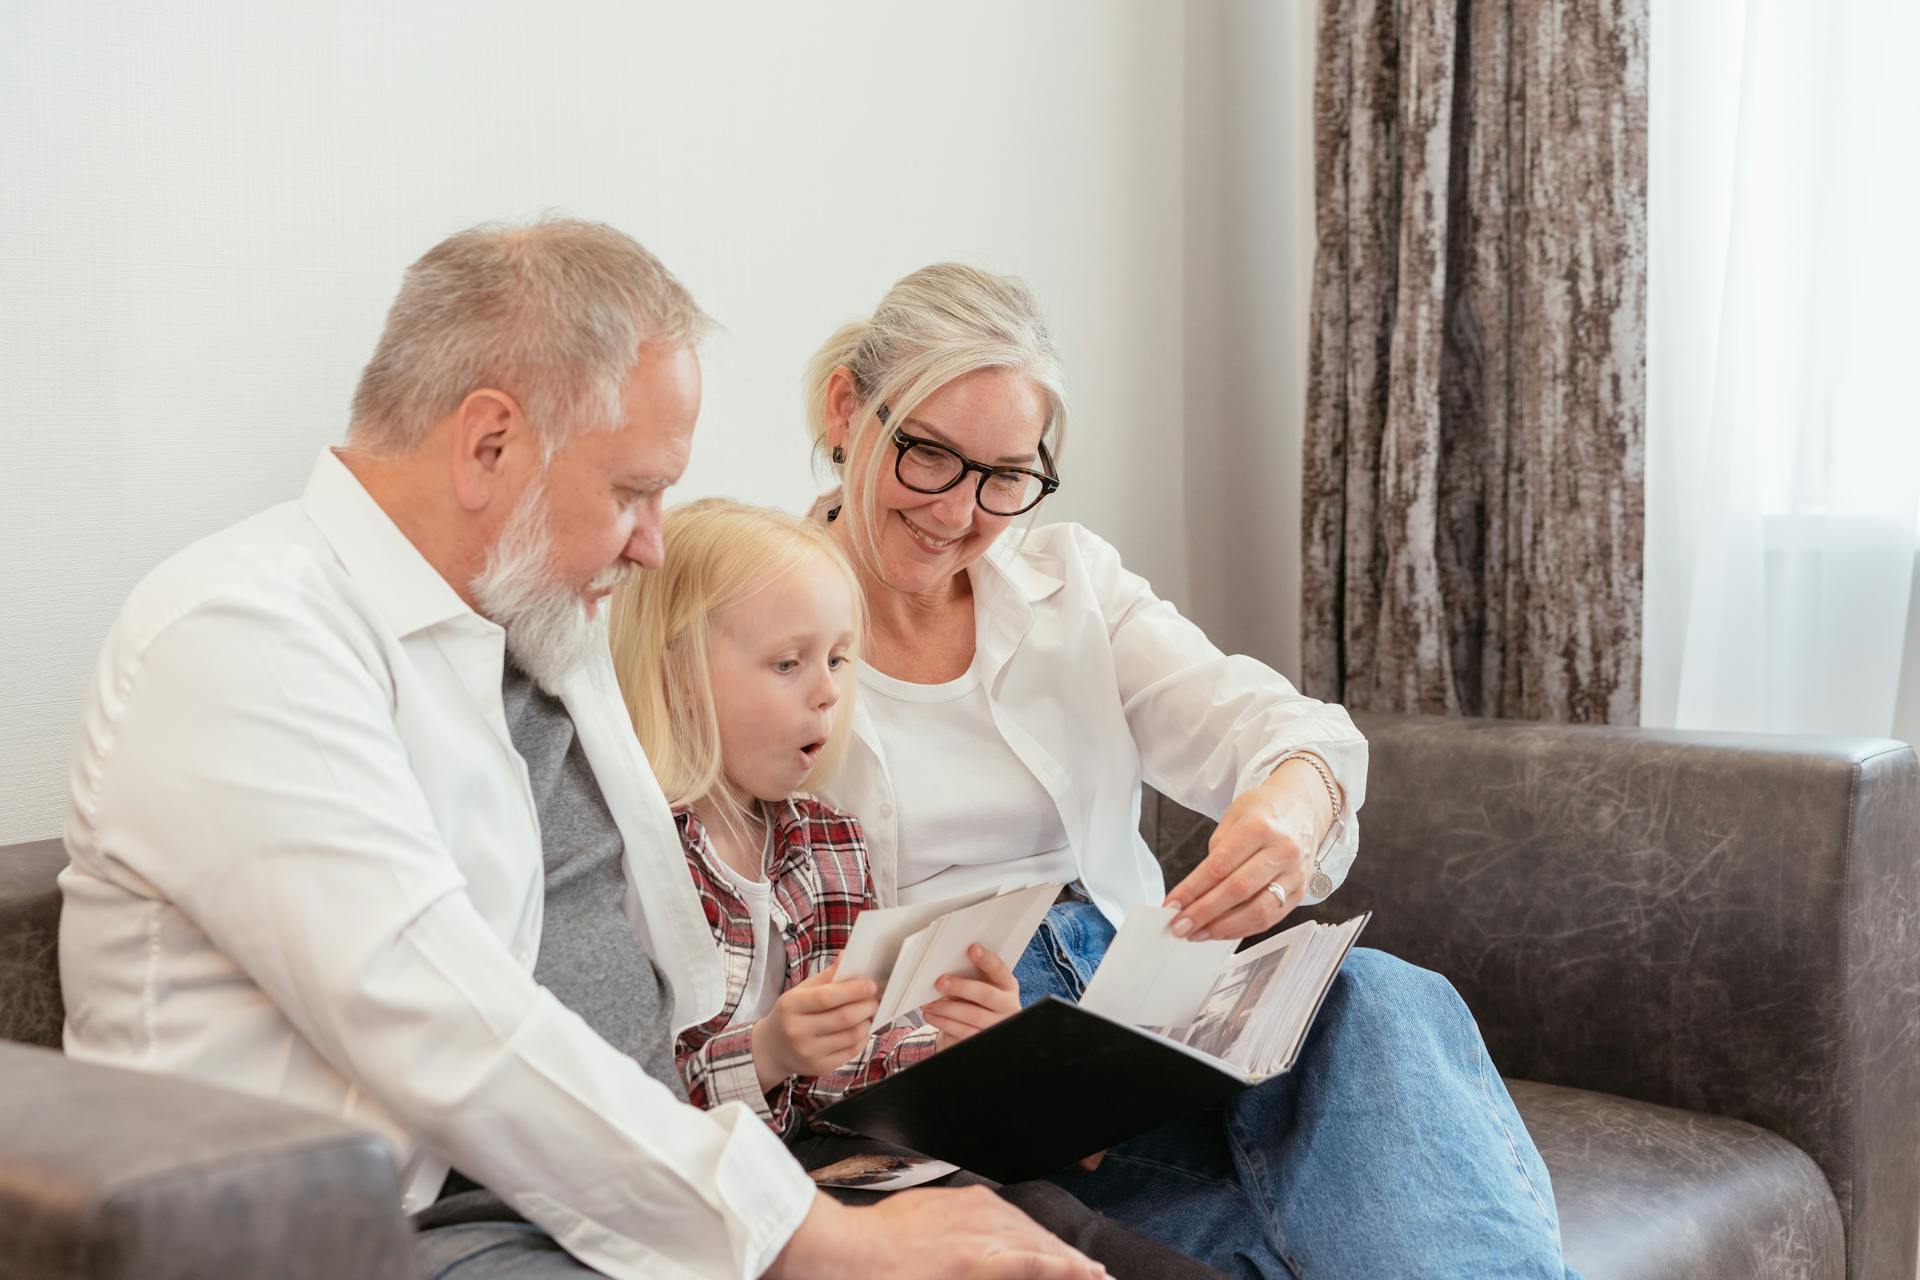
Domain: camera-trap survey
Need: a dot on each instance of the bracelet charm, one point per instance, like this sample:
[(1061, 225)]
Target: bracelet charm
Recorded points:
[(1320, 884)]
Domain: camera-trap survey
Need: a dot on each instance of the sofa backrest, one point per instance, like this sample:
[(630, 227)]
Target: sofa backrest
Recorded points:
[(30, 1007)]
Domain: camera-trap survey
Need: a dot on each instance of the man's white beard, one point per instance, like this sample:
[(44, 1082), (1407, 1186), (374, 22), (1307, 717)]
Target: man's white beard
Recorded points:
[(548, 631)]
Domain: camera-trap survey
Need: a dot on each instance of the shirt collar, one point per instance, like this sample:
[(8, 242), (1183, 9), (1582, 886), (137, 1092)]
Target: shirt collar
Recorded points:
[(1015, 573), (409, 593), (792, 841)]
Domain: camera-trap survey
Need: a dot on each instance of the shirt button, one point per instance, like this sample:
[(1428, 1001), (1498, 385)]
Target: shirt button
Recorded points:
[(886, 811)]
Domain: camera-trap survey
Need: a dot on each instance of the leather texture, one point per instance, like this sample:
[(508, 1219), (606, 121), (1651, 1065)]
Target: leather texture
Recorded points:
[(1723, 924), (1653, 1193), (30, 1007), (107, 1174)]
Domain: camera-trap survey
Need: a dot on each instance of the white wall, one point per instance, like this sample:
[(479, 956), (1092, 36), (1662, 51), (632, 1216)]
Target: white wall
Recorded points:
[(1249, 275), (208, 208)]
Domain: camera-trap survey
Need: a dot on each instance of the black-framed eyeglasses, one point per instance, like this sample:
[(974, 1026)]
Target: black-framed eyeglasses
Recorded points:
[(927, 466)]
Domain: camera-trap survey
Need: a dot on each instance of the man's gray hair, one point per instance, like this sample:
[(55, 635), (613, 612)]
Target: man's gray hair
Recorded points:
[(554, 313)]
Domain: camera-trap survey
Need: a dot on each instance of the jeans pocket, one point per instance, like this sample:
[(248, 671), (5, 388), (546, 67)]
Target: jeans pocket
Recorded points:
[(1079, 935), (1043, 969)]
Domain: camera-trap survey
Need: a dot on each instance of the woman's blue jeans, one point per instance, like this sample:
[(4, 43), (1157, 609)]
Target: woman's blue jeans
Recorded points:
[(1392, 1148)]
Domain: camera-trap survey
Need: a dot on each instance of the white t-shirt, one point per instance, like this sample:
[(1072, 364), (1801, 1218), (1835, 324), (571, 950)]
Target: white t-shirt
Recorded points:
[(971, 814), (767, 975)]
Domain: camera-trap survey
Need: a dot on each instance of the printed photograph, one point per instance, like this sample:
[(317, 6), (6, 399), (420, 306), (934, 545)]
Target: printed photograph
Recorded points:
[(882, 1171), (1227, 1013)]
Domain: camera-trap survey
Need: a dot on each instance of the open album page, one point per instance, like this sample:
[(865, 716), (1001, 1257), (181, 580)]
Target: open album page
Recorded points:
[(1254, 1013)]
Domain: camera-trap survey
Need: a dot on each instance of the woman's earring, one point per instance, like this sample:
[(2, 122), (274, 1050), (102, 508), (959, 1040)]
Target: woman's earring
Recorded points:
[(839, 455)]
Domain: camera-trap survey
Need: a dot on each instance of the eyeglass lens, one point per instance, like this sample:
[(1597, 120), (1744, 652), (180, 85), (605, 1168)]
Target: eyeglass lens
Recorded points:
[(932, 469)]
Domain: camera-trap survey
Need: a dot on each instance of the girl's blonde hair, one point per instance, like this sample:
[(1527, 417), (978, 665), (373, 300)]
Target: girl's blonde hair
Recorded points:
[(716, 552), (940, 323)]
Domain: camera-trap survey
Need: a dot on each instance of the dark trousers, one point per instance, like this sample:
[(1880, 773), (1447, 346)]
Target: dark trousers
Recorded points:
[(1123, 1252), (471, 1234)]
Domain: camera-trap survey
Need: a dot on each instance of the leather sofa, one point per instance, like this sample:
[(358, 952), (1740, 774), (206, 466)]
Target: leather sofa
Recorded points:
[(1695, 957), (117, 1175)]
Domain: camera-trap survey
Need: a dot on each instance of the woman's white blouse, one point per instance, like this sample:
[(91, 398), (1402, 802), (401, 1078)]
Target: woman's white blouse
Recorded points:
[(1095, 684), (971, 815)]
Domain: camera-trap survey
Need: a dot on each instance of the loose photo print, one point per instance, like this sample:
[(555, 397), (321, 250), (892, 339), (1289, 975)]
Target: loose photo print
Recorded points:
[(882, 1171)]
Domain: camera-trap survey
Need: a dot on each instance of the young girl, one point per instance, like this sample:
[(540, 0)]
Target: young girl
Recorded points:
[(735, 660)]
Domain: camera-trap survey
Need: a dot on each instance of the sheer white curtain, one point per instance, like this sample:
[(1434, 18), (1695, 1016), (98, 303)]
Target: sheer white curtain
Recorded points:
[(1783, 415)]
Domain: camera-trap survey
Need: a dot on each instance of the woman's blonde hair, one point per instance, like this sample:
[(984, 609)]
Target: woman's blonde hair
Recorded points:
[(716, 552), (940, 323)]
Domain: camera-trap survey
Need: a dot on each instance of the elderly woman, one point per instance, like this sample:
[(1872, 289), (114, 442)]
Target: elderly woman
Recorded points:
[(1018, 686)]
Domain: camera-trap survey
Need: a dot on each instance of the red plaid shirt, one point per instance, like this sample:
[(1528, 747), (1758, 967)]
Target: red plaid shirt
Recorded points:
[(820, 883)]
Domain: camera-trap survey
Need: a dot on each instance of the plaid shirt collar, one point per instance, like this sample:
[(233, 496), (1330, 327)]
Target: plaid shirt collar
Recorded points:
[(792, 842)]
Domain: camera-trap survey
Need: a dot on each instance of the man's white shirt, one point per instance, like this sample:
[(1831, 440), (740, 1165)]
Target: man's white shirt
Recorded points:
[(306, 864)]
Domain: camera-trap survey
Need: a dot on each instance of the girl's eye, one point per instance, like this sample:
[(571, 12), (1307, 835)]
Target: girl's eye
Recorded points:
[(836, 662), (785, 665)]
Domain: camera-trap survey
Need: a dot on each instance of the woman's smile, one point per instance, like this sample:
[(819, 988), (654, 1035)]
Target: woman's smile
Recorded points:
[(925, 540)]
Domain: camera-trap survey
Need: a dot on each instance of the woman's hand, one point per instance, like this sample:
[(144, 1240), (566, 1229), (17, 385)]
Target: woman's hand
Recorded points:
[(1269, 835), (814, 1027), (969, 1005)]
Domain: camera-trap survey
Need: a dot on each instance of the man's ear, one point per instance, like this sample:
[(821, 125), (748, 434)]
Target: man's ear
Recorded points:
[(843, 401), (493, 447)]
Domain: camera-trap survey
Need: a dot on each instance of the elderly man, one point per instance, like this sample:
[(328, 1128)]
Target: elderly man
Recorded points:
[(358, 821)]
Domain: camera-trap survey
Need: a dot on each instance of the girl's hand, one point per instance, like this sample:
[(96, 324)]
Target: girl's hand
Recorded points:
[(814, 1027), (972, 1004)]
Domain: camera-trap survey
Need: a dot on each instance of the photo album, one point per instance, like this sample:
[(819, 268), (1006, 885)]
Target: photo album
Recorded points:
[(1166, 1027), (1248, 1011)]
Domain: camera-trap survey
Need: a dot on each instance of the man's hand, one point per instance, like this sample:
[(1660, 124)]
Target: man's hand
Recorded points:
[(947, 1233), (971, 1004), (1268, 835), (814, 1027)]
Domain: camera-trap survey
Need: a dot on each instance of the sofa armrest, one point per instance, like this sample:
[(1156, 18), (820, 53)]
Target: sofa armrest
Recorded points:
[(30, 1007), (1723, 923), (111, 1173)]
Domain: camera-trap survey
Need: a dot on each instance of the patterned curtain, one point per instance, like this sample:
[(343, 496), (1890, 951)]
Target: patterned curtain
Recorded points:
[(1474, 438)]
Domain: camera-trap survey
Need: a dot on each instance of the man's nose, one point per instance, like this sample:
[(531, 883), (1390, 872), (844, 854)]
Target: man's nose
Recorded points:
[(644, 546)]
